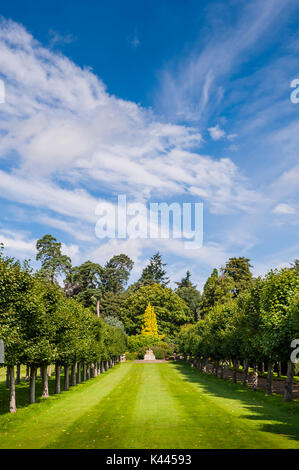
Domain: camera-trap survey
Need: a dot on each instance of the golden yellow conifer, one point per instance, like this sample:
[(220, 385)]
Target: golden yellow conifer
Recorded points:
[(149, 327)]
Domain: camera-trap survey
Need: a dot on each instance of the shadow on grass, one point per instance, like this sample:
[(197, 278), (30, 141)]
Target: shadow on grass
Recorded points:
[(22, 393), (260, 406)]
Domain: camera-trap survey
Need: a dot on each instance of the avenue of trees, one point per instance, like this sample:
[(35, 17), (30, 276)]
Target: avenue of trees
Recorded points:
[(41, 327), (248, 321), (80, 319)]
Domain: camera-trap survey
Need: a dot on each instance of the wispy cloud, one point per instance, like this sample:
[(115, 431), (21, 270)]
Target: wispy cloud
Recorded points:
[(135, 42), (193, 87), (57, 38)]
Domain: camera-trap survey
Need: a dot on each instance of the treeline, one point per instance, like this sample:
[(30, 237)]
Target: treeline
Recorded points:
[(41, 327), (247, 320), (83, 319), (104, 289)]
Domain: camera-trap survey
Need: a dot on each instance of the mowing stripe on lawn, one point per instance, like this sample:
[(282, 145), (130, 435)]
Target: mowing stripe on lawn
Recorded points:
[(155, 406), (38, 424)]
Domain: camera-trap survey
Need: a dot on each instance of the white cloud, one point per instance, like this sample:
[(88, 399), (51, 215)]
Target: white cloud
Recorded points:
[(78, 229), (216, 132), (17, 244), (71, 142), (72, 251), (65, 130), (284, 209), (42, 193)]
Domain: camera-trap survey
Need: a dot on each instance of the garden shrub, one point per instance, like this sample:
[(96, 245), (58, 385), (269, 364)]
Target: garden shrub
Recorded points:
[(136, 342), (163, 350), (131, 356)]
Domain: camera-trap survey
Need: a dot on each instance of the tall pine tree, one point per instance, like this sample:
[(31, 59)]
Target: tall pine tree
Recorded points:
[(154, 272)]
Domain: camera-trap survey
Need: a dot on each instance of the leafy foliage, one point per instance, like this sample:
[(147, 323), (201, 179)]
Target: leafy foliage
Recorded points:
[(191, 296), (170, 309), (52, 260)]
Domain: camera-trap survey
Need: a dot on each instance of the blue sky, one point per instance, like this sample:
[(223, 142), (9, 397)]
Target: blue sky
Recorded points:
[(159, 100)]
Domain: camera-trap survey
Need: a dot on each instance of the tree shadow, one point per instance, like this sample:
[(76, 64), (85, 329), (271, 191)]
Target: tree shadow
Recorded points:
[(260, 406), (22, 393)]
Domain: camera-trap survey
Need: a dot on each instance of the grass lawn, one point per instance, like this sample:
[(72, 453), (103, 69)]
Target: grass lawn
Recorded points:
[(162, 405)]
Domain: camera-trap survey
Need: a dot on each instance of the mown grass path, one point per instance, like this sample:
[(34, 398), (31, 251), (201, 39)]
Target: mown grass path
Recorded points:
[(154, 406)]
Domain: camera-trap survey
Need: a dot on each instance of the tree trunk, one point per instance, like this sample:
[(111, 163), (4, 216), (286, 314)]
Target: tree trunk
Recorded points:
[(88, 372), (263, 368), (27, 374), (270, 378), (18, 377), (216, 369), (288, 388), (32, 384), (98, 308), (12, 402), (92, 371), (66, 377), (279, 369), (7, 378), (102, 367), (221, 370), (95, 368), (255, 377), (73, 374), (79, 372), (226, 370), (45, 393), (84, 372), (57, 378), (50, 370), (234, 371), (245, 375)]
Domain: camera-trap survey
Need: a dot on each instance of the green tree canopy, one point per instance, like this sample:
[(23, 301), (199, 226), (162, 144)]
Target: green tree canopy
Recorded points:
[(217, 289), (239, 270), (191, 296), (84, 283), (170, 309), (52, 260), (116, 273)]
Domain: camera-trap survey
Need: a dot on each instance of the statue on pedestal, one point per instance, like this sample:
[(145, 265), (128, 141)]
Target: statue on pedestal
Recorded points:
[(149, 355)]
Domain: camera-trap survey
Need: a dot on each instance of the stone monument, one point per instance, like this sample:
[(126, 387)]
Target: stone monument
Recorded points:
[(149, 355), (123, 358)]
